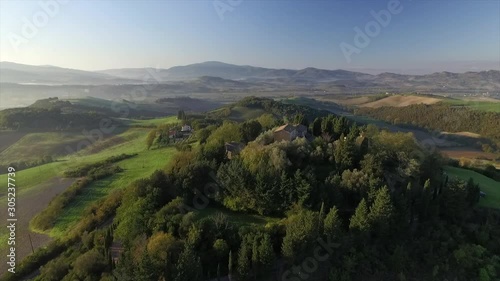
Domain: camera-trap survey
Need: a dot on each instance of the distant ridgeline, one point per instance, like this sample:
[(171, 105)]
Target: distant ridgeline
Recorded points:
[(441, 117), (51, 114)]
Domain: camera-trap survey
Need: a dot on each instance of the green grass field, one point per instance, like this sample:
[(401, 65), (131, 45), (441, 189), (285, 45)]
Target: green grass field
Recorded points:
[(33, 146), (487, 185), (140, 166), (476, 105), (150, 122)]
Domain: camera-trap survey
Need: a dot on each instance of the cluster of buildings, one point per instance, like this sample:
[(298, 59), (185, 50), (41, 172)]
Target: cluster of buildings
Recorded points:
[(286, 132), (185, 132)]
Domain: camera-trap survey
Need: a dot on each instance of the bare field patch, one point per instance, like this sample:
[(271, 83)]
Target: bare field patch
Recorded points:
[(463, 134), (30, 204), (8, 138), (401, 101), (458, 153)]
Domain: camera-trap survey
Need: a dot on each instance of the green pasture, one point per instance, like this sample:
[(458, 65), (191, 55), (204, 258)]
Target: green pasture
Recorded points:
[(487, 185)]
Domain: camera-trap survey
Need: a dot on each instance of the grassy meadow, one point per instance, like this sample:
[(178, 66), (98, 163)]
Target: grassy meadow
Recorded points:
[(476, 105), (487, 185)]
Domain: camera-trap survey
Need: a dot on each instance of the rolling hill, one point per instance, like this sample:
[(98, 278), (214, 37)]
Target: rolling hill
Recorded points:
[(52, 75)]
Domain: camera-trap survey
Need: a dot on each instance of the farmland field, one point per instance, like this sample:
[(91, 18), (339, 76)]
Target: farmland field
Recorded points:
[(8, 138), (487, 185), (401, 101), (28, 206), (33, 146), (481, 105), (38, 185)]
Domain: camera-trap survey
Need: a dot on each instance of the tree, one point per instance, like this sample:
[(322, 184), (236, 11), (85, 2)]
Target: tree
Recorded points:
[(181, 115), (359, 221), (300, 118), (321, 217), (345, 153), (91, 263), (55, 269), (301, 234), (382, 212), (316, 127), (332, 226), (255, 257), (230, 265), (150, 138), (250, 130), (160, 244), (267, 121), (221, 249), (188, 266), (267, 256), (243, 262), (229, 131), (202, 135), (146, 270)]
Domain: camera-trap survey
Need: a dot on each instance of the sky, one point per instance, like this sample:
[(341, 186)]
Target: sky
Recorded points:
[(422, 36)]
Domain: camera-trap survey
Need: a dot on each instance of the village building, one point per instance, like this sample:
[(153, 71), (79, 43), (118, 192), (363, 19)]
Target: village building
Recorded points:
[(186, 128), (289, 132)]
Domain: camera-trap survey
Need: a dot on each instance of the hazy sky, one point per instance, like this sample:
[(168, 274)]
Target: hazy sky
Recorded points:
[(453, 35)]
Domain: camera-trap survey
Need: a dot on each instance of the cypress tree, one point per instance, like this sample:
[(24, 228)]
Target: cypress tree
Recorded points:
[(243, 263), (332, 224), (382, 212), (359, 221), (230, 265), (267, 257)]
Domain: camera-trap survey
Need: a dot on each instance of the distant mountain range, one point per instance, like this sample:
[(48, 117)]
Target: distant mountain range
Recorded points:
[(217, 76)]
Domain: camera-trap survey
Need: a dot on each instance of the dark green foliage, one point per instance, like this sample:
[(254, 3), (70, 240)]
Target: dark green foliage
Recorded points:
[(250, 130), (332, 226), (90, 264), (266, 255), (360, 220), (382, 212), (281, 109), (244, 263), (441, 117), (301, 234), (181, 115), (188, 266)]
